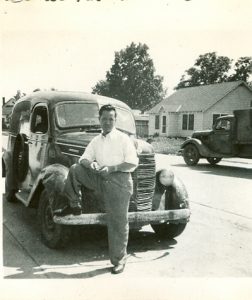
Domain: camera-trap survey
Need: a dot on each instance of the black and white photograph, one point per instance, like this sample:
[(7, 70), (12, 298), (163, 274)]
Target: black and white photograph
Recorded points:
[(126, 149)]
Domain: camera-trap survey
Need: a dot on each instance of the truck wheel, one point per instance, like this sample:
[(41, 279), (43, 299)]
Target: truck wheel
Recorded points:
[(20, 157), (214, 160), (191, 155), (53, 235), (168, 230), (3, 169)]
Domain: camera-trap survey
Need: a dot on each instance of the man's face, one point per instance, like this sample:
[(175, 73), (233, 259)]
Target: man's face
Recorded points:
[(107, 121)]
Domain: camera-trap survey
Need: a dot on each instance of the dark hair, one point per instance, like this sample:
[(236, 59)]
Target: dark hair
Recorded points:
[(107, 107)]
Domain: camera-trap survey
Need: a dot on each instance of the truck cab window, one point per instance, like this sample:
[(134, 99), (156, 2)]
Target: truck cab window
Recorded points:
[(223, 125), (39, 122)]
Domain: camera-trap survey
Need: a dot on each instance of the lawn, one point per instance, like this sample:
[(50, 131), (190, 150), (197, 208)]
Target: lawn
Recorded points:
[(167, 145)]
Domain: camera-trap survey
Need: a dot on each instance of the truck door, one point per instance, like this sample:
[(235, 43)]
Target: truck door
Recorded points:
[(221, 139), (38, 139)]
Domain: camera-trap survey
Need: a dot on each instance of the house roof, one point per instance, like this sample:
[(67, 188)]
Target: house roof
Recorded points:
[(7, 107), (139, 116), (199, 98)]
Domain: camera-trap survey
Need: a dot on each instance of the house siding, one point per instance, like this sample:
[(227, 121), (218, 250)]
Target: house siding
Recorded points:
[(240, 98), (174, 124), (152, 129), (142, 128), (198, 122)]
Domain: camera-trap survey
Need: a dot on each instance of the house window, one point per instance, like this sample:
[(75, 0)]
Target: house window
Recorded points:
[(191, 122), (156, 122), (188, 122), (164, 125), (184, 122), (215, 116)]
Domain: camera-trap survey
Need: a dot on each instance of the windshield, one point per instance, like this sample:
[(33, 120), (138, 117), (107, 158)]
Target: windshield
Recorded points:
[(125, 120), (69, 114), (77, 114)]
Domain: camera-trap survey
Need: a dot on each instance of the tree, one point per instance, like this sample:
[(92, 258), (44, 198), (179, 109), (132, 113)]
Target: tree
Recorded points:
[(243, 69), (208, 68), (132, 79)]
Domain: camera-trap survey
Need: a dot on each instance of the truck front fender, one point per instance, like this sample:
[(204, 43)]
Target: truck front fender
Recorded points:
[(52, 179), (204, 151), (163, 200)]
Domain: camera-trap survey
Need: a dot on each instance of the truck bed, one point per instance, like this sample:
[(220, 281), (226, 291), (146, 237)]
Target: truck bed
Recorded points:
[(243, 126)]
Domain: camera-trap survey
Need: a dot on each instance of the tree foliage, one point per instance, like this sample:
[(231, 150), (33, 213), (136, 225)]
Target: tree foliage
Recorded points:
[(210, 68), (132, 79), (243, 69)]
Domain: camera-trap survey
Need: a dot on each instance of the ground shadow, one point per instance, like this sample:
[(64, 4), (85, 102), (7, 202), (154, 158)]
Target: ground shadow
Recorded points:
[(87, 250), (220, 170)]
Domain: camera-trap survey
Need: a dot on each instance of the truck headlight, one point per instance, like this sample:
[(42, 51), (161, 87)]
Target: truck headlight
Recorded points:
[(166, 177)]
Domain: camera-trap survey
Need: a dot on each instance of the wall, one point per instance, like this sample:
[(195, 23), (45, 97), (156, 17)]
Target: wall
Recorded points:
[(240, 98), (174, 124), (198, 124), (142, 128), (152, 129)]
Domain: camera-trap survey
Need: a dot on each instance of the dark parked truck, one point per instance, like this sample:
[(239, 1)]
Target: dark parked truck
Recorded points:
[(48, 133), (231, 136)]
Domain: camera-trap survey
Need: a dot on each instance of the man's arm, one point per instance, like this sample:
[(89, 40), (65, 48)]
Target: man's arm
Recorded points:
[(92, 165), (123, 167), (88, 157)]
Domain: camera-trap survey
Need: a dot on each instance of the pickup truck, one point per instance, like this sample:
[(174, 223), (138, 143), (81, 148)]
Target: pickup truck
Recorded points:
[(231, 136), (48, 133)]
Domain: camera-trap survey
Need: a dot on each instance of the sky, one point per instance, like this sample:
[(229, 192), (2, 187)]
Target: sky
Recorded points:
[(69, 45)]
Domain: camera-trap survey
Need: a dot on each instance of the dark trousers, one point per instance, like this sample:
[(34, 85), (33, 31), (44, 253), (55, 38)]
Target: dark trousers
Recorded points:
[(116, 189)]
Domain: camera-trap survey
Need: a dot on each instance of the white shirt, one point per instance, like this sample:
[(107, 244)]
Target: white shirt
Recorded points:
[(110, 150)]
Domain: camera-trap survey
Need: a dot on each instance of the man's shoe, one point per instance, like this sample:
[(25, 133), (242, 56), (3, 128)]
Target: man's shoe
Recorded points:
[(118, 269), (67, 210), (61, 212)]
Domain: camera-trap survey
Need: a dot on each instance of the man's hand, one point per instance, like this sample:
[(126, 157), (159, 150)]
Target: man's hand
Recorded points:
[(94, 166), (105, 171)]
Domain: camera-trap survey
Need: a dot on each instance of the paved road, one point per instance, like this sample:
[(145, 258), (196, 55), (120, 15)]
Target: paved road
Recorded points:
[(216, 243)]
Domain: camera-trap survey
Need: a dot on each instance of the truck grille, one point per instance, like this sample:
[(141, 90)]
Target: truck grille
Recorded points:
[(144, 183)]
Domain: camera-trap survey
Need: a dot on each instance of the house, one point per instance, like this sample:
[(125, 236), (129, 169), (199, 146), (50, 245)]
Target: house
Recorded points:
[(7, 109), (196, 108), (142, 123)]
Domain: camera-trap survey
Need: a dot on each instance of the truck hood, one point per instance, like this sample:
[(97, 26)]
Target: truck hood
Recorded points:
[(76, 138), (197, 134), (75, 143)]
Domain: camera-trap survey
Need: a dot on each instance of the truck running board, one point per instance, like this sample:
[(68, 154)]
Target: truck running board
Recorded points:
[(157, 216)]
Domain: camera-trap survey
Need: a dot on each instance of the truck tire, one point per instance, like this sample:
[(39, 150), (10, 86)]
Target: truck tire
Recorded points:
[(53, 235), (3, 169), (214, 160), (191, 155), (168, 230), (20, 157)]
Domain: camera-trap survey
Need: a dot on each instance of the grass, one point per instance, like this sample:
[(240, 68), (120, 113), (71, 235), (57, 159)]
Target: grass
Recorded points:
[(166, 145)]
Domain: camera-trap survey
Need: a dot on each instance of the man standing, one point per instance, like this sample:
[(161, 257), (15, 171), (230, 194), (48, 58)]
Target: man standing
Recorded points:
[(105, 167)]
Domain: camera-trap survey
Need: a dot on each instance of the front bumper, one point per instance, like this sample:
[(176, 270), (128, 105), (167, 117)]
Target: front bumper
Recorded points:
[(137, 218)]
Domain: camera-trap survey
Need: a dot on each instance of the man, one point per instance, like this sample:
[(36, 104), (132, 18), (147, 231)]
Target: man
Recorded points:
[(170, 193), (105, 167)]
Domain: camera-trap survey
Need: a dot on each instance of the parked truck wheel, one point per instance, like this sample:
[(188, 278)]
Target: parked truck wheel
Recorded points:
[(168, 230), (53, 235), (191, 155), (214, 160)]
